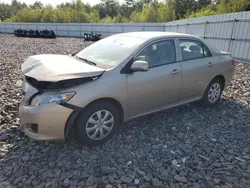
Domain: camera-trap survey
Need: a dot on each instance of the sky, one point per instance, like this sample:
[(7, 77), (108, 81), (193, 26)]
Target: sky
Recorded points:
[(54, 2)]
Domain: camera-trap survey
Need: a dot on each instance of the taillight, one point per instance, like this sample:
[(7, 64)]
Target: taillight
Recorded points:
[(234, 62)]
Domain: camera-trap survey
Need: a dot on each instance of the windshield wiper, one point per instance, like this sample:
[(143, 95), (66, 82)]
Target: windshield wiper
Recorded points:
[(88, 61)]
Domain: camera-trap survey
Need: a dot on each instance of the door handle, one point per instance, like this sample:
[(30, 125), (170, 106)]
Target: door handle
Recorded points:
[(210, 64), (175, 71)]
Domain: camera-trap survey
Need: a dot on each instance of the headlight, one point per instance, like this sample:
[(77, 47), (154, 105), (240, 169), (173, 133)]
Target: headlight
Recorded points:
[(51, 98)]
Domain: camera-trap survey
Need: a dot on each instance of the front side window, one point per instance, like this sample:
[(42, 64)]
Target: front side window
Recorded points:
[(158, 53), (191, 49)]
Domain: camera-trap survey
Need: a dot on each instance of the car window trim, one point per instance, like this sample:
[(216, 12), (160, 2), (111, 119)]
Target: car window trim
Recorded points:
[(196, 40), (209, 52), (126, 70)]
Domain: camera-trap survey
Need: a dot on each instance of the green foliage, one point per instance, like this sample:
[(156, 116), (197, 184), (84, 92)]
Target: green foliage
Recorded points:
[(110, 11), (223, 6), (226, 6), (166, 12), (207, 11), (7, 11)]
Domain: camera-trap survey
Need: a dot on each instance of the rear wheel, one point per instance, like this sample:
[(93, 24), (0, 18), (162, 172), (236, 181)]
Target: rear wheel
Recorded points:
[(97, 123), (213, 93)]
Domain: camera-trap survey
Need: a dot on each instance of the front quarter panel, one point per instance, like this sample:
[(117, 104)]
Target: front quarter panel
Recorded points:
[(111, 84)]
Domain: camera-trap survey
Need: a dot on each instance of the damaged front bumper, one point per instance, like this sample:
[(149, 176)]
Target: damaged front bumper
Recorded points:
[(43, 122)]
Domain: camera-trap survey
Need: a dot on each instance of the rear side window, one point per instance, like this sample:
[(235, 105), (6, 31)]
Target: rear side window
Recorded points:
[(192, 49), (158, 53)]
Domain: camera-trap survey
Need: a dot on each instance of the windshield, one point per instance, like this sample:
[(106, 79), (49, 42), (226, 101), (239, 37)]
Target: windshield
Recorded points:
[(110, 51)]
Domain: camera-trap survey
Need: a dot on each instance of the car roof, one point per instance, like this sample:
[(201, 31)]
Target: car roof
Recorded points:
[(151, 35)]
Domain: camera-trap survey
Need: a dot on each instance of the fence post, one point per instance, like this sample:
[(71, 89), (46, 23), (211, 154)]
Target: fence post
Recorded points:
[(231, 35), (205, 29), (67, 30), (109, 29)]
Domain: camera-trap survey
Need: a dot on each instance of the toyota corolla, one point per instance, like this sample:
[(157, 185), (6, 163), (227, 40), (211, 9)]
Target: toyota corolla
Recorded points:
[(116, 79)]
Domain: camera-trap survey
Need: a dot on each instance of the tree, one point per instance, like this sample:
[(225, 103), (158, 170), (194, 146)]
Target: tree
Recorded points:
[(110, 7), (127, 8), (182, 7), (36, 5), (166, 11), (48, 15), (110, 11)]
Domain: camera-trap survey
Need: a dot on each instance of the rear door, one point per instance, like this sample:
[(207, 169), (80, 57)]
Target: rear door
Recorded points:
[(198, 66)]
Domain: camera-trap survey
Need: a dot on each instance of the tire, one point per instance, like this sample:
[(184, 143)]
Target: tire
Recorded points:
[(88, 119), (213, 93)]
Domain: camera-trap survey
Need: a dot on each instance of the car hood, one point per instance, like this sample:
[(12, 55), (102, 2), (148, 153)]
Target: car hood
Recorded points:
[(53, 68)]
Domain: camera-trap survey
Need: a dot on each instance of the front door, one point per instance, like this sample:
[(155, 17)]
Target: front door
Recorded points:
[(160, 85)]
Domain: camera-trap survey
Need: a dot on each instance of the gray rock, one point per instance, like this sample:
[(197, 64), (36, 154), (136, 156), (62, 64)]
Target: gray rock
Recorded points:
[(111, 179), (247, 94), (25, 158), (136, 181), (156, 182), (91, 181), (40, 185), (217, 165), (216, 180), (19, 83), (54, 184), (17, 180), (4, 184), (48, 185), (81, 184), (84, 174), (126, 179), (174, 162), (66, 182), (146, 178), (106, 170), (164, 175), (180, 178), (108, 186), (140, 172)]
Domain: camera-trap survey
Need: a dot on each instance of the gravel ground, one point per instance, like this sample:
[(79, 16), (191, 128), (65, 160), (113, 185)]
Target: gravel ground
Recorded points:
[(189, 146)]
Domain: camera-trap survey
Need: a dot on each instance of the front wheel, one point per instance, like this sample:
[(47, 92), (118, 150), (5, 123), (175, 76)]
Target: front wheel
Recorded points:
[(97, 123), (213, 93)]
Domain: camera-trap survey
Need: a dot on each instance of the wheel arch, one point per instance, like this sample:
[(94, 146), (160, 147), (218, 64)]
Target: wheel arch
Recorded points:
[(221, 78), (75, 114)]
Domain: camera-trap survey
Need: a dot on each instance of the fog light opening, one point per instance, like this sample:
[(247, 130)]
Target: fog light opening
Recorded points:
[(34, 127)]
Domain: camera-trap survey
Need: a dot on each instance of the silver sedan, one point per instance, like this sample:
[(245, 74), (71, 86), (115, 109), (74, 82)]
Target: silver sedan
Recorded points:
[(116, 79)]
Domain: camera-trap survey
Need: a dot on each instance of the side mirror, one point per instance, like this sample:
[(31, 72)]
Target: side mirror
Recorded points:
[(140, 66)]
